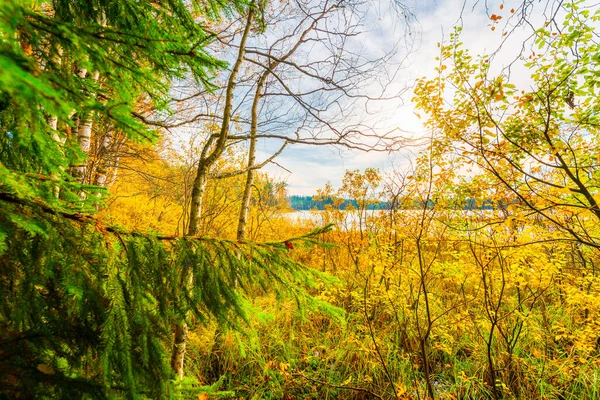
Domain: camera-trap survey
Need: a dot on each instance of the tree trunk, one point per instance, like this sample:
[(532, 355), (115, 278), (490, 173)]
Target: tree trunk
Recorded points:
[(245, 207), (258, 95), (179, 344), (106, 161), (206, 162), (60, 140), (114, 167), (187, 277), (84, 138), (199, 188)]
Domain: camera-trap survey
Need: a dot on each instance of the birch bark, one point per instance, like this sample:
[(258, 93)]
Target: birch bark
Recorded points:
[(245, 208), (84, 138), (199, 188), (258, 95)]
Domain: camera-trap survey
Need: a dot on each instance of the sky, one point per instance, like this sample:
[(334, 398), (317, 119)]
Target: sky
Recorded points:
[(308, 168)]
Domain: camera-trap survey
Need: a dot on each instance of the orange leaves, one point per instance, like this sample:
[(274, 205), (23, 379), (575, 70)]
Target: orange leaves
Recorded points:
[(26, 47), (24, 41), (525, 99), (495, 18)]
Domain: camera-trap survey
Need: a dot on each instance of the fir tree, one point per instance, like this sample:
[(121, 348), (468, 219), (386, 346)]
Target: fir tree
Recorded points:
[(87, 310)]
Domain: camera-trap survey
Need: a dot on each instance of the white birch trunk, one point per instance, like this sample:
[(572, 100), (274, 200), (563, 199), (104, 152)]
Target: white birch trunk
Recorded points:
[(245, 207), (105, 163), (84, 138)]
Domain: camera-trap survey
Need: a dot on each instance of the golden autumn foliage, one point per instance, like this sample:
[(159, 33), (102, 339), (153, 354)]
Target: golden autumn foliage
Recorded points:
[(438, 299), (481, 281), (473, 275)]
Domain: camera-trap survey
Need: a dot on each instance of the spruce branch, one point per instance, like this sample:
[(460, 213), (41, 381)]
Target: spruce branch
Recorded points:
[(310, 238)]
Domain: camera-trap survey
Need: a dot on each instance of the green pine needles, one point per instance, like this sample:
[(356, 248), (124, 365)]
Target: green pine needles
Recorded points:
[(105, 62), (88, 310)]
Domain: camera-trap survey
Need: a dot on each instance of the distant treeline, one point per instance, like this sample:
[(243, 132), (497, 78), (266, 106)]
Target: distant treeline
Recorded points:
[(310, 203)]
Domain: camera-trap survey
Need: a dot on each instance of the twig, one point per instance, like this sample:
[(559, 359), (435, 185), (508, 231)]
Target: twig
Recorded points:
[(356, 389)]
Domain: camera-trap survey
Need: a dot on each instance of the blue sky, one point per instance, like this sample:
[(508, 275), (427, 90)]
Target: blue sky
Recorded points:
[(309, 168)]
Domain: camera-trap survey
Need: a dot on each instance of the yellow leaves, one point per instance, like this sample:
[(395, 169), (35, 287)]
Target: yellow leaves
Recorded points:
[(565, 190), (462, 376), (347, 381), (275, 366), (444, 347), (283, 368), (270, 365), (401, 390), (536, 169)]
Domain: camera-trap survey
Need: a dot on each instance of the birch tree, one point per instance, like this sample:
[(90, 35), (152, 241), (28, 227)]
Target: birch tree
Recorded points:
[(305, 81), (260, 75)]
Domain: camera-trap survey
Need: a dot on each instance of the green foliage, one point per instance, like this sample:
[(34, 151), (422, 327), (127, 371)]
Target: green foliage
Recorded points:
[(429, 300), (87, 311), (137, 48)]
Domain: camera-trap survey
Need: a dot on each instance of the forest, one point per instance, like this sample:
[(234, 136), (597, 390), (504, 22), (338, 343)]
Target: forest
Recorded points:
[(146, 251)]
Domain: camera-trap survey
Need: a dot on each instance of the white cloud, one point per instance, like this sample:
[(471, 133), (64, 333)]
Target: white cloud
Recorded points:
[(311, 169)]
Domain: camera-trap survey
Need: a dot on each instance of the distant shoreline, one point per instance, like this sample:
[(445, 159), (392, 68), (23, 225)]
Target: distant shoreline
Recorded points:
[(307, 203)]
